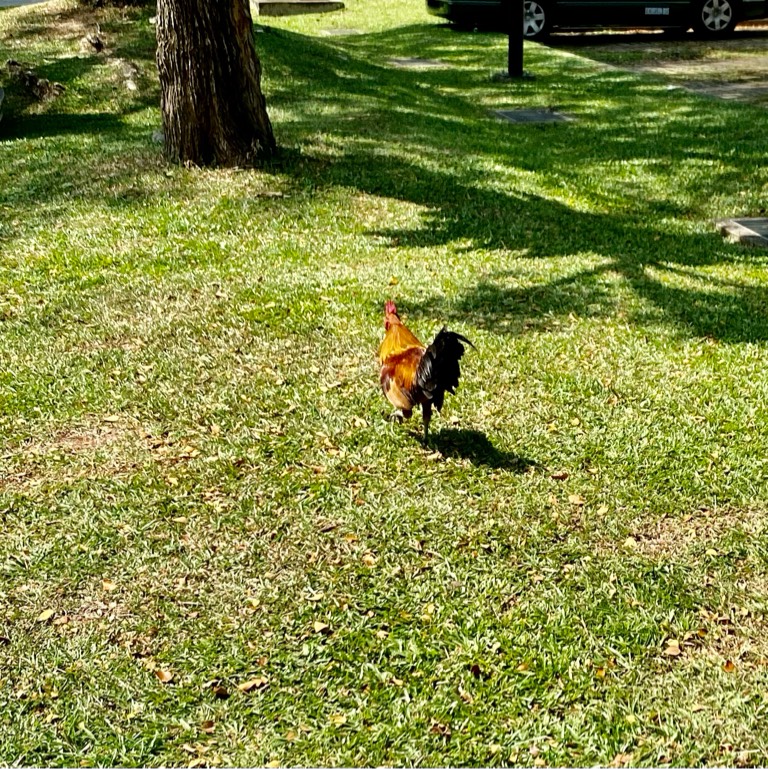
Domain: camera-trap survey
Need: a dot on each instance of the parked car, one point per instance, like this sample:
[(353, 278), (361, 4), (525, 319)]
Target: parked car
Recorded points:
[(714, 18)]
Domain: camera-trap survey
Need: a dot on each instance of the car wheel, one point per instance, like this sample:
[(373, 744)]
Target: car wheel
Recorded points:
[(715, 18), (536, 24)]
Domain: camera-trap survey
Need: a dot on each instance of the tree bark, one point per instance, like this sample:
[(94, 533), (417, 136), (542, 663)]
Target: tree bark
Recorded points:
[(214, 112)]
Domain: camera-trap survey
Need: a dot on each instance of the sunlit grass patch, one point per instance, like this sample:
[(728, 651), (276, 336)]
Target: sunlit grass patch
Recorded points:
[(218, 551)]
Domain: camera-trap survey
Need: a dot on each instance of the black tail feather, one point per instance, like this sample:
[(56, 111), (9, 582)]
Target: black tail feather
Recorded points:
[(439, 370)]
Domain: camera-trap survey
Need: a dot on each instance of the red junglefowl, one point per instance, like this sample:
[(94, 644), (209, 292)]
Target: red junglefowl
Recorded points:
[(415, 375)]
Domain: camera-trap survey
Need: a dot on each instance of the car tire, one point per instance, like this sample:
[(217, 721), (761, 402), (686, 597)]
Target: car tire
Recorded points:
[(537, 20), (715, 18)]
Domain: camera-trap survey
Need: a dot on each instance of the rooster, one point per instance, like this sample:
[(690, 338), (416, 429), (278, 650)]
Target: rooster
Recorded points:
[(412, 374)]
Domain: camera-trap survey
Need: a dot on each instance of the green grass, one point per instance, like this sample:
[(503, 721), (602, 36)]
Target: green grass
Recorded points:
[(197, 479)]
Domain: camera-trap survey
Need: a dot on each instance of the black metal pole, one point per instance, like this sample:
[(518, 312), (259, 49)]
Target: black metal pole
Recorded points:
[(515, 28)]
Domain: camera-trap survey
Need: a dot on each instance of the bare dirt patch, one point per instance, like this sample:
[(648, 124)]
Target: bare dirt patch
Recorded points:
[(732, 630), (732, 74), (734, 68), (85, 439), (110, 446), (103, 448), (697, 532)]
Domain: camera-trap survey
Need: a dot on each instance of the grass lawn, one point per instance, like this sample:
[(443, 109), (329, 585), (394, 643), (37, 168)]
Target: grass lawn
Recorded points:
[(215, 548)]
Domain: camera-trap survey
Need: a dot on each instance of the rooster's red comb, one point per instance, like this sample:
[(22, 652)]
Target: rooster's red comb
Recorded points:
[(390, 308)]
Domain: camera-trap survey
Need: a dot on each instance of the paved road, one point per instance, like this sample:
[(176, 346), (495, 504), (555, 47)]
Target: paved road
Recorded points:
[(11, 3)]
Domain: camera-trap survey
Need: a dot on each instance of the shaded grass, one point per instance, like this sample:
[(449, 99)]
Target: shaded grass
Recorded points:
[(198, 482)]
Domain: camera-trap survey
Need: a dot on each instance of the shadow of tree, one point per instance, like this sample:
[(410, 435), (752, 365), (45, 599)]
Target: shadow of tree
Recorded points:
[(355, 121), (67, 26), (478, 449), (37, 126), (661, 268), (728, 312), (624, 231), (97, 104)]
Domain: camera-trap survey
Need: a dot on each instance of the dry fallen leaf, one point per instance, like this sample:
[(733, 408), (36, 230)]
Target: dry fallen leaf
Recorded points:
[(630, 543), (673, 648), (45, 615), (577, 499), (321, 627), (108, 585), (254, 683), (164, 676), (338, 719), (560, 475), (369, 560), (466, 696), (209, 727), (729, 666), (443, 730)]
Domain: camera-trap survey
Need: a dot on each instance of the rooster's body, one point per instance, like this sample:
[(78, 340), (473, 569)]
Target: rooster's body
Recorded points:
[(414, 375)]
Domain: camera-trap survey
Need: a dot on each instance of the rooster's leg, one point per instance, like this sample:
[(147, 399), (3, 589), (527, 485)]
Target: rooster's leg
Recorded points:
[(426, 413), (400, 415)]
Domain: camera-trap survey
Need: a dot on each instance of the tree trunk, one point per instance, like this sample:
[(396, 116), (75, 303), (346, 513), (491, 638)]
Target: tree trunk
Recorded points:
[(210, 78)]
